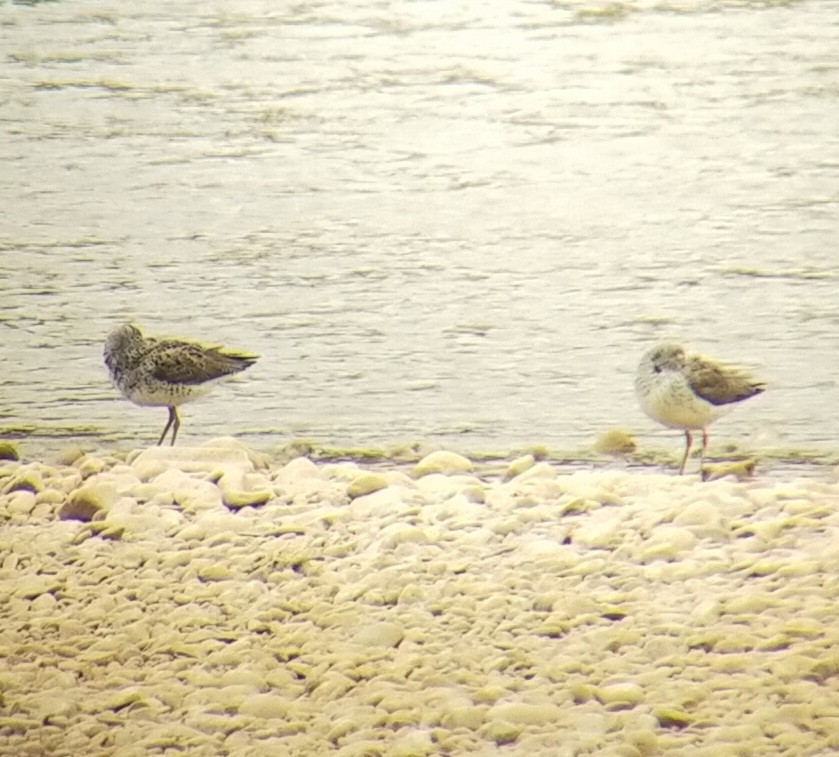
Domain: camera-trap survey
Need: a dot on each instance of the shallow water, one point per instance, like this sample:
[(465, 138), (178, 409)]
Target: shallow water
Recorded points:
[(435, 222)]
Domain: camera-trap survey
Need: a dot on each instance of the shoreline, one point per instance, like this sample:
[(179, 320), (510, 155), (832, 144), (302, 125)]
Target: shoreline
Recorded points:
[(661, 457), (218, 600)]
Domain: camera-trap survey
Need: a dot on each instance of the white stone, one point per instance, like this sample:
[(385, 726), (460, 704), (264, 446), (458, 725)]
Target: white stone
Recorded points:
[(519, 466), (620, 694), (541, 470), (297, 470), (443, 461), (267, 706), (527, 714), (191, 494), (382, 634), (366, 483), (602, 529), (204, 459)]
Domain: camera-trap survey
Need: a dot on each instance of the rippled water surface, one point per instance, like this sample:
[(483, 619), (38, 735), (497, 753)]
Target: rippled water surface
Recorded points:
[(455, 222)]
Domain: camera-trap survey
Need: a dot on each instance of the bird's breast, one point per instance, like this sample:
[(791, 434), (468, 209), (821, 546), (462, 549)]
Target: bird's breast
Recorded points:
[(668, 399)]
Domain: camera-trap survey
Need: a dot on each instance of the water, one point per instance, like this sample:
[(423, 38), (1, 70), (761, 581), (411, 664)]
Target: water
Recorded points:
[(459, 222)]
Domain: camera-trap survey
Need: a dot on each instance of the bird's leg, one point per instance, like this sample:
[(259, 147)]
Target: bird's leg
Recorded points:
[(704, 447), (173, 418), (176, 426), (688, 444)]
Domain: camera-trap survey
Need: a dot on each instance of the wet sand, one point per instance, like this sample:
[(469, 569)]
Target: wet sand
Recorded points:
[(212, 600)]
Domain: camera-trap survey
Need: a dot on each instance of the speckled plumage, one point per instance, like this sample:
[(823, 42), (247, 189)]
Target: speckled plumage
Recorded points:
[(167, 372), (680, 389)]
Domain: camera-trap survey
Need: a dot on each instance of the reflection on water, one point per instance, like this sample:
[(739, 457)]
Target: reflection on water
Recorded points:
[(445, 223)]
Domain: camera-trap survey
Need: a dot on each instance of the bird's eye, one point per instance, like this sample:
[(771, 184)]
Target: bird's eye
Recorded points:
[(657, 368)]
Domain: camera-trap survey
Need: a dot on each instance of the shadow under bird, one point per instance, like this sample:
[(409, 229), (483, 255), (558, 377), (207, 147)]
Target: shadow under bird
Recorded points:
[(167, 372), (685, 390)]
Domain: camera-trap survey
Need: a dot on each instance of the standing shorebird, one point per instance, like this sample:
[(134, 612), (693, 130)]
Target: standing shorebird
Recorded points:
[(680, 389), (167, 372)]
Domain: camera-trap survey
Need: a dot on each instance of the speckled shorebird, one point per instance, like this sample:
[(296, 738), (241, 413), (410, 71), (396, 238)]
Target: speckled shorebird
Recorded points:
[(680, 389), (167, 372)]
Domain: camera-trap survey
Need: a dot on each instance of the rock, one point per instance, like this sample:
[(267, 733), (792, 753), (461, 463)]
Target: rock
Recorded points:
[(297, 470), (43, 603), (21, 503), (541, 470), (212, 523), (192, 495), (215, 572), (443, 461), (379, 503), (146, 518), (29, 479), (466, 716), (382, 634), (30, 587), (475, 494), (266, 706), (668, 543), (49, 705), (9, 451), (645, 740), (672, 718), (50, 497), (520, 713), (415, 742), (69, 455), (741, 470), (490, 694), (70, 627), (620, 695), (236, 500), (703, 519), (366, 483), (243, 676), (602, 530), (154, 461), (238, 490), (440, 487), (519, 466), (537, 549), (502, 732), (88, 466), (86, 502), (230, 443), (398, 533)]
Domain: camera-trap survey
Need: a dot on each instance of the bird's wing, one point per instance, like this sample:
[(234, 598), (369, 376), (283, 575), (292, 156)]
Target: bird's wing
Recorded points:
[(720, 384), (186, 363)]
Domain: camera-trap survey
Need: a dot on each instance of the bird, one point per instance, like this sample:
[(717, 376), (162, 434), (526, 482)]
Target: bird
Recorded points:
[(157, 372), (685, 390)]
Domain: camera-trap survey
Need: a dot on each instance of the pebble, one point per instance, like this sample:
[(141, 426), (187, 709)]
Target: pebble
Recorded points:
[(86, 502), (354, 611), (21, 502), (620, 694), (267, 706), (382, 634), (602, 530), (366, 483), (9, 451), (521, 713), (442, 461), (519, 466), (27, 479)]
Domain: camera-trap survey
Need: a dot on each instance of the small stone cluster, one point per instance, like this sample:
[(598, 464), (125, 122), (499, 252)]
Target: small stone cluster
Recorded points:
[(210, 601)]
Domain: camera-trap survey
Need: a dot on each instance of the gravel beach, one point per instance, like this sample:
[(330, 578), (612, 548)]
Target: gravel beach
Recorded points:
[(211, 600)]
